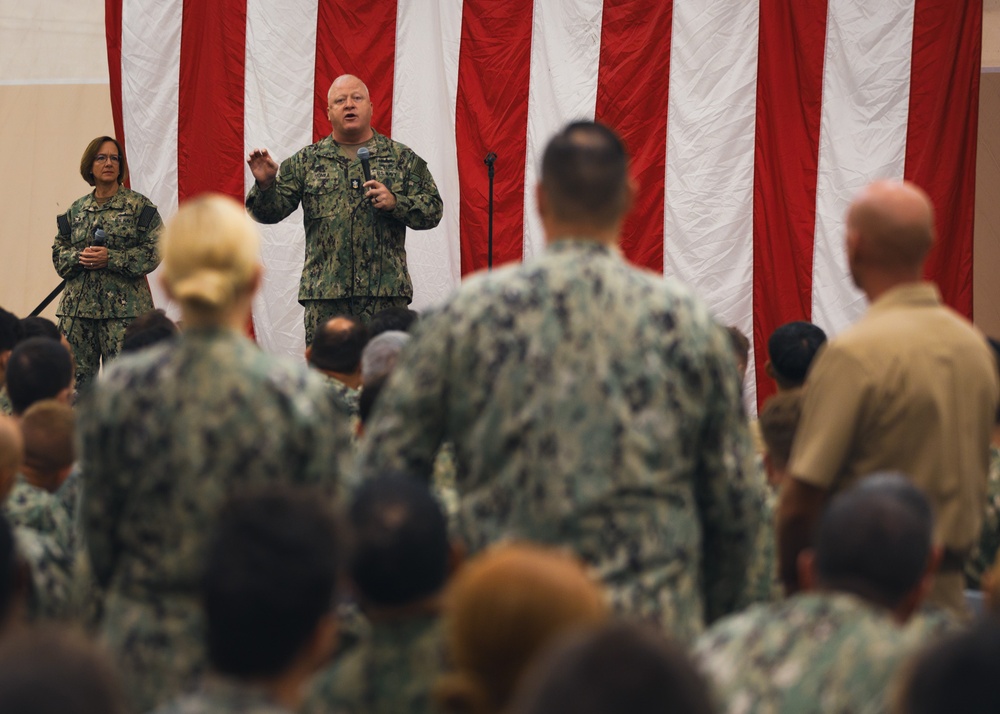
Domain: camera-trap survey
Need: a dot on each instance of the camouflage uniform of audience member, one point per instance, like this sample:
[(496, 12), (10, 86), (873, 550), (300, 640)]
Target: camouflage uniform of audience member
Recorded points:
[(347, 398), (153, 486), (36, 508), (591, 405), (817, 652), (355, 262), (985, 553), (5, 406), (216, 696), (392, 670), (763, 583), (52, 577), (97, 305)]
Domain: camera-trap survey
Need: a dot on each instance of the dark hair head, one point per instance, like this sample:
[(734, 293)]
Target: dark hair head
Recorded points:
[(585, 175), (338, 344), (618, 668), (270, 576), (90, 155), (147, 330), (791, 349), (49, 671), (400, 541), (39, 327), (874, 540), (369, 395), (392, 318), (779, 420), (956, 674), (10, 330), (995, 346), (38, 368)]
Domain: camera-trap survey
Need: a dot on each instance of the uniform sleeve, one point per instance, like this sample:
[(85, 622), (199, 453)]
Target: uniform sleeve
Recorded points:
[(282, 198), (408, 424), (833, 403), (724, 486), (418, 203), (141, 259), (65, 257)]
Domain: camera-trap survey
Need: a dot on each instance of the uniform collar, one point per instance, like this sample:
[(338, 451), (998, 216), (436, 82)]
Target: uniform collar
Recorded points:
[(922, 294)]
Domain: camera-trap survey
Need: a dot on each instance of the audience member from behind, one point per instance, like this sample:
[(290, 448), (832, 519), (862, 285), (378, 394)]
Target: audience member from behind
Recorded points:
[(268, 587), (957, 674), (988, 547), (779, 421), (837, 646), (53, 671), (336, 352), (10, 334), (912, 387), (148, 329), (169, 433), (399, 319), (39, 368), (791, 349), (400, 562), (740, 345), (37, 326), (502, 610), (618, 668), (381, 354)]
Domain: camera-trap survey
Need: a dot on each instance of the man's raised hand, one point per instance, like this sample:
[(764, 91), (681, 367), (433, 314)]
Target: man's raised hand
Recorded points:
[(263, 168)]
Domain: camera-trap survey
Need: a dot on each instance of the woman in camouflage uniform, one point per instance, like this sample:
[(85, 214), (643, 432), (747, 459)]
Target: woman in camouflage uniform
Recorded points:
[(105, 247)]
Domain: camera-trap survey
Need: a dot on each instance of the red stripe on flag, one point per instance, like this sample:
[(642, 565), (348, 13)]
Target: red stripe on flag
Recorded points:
[(210, 152), (942, 133), (356, 38), (633, 78), (786, 161), (492, 115), (113, 36)]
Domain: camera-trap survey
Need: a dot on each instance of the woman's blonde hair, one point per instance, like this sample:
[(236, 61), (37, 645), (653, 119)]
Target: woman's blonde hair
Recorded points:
[(211, 256), (502, 610)]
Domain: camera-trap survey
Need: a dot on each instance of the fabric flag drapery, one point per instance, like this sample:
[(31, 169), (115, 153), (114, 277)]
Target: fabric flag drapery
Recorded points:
[(750, 125)]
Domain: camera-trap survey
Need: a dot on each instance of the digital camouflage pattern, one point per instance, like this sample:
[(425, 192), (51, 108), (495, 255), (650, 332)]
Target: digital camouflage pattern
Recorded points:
[(348, 398), (392, 671), (591, 405), (5, 406), (352, 248), (811, 653), (218, 696), (118, 291), (763, 583), (985, 553), (36, 508), (166, 436)]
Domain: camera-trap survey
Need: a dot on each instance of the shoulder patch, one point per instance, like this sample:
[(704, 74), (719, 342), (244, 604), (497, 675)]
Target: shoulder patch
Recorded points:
[(62, 221), (146, 217)]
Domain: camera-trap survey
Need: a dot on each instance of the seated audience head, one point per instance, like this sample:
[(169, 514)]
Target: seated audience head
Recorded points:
[(37, 326), (48, 428), (791, 350), (11, 454), (617, 668), (584, 191), (779, 420), (270, 579), (57, 672), (39, 368), (401, 553), (399, 319), (956, 674), (503, 608), (148, 329), (211, 261), (741, 349), (381, 354), (10, 335), (875, 541), (337, 346)]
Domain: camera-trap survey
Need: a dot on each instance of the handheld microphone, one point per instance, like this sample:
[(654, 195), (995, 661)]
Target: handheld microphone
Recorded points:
[(100, 238), (365, 156)]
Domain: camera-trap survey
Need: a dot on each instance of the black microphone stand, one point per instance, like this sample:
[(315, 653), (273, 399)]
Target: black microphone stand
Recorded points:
[(489, 160)]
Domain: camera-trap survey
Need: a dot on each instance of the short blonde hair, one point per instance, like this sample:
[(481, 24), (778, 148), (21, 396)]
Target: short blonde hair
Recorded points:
[(211, 256)]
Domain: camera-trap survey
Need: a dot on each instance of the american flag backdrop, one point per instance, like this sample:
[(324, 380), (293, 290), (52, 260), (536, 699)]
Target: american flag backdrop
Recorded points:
[(751, 123)]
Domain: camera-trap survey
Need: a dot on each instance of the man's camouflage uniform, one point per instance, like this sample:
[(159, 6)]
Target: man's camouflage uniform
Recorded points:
[(165, 438), (591, 405), (355, 259), (985, 553), (221, 696), (97, 305), (393, 670), (815, 652), (763, 583), (5, 406)]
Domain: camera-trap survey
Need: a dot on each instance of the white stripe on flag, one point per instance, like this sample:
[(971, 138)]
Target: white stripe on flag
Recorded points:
[(708, 221), (565, 56), (278, 115), (423, 117), (151, 60), (866, 95)]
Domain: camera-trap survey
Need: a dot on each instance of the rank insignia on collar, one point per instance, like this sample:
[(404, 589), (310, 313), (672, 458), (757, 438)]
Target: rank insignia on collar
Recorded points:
[(355, 184)]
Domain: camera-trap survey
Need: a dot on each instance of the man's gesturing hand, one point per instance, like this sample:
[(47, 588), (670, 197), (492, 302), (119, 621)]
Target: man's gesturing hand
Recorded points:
[(263, 168)]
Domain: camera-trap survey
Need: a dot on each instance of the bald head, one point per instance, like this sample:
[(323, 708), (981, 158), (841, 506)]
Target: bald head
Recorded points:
[(890, 227), (344, 81)]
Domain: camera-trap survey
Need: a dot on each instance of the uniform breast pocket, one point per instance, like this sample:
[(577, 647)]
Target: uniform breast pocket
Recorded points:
[(320, 197), (385, 171), (122, 231)]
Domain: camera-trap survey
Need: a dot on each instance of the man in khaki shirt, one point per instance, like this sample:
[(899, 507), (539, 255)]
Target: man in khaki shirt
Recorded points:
[(911, 387)]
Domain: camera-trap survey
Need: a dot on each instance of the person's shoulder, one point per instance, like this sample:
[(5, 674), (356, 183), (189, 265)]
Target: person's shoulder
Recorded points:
[(134, 197)]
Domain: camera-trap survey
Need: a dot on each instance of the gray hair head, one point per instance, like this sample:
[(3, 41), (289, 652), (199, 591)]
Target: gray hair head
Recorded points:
[(381, 354)]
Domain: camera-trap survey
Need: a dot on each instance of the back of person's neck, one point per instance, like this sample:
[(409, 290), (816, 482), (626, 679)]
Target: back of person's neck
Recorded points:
[(579, 233), (49, 482), (426, 607), (349, 379), (879, 284)]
